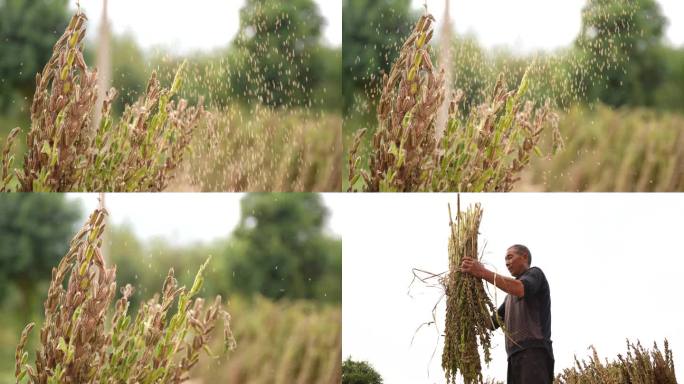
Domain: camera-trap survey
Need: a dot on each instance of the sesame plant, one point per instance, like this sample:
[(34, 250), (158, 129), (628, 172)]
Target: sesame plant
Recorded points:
[(640, 366), (484, 151), (65, 152), (79, 345), (468, 307)]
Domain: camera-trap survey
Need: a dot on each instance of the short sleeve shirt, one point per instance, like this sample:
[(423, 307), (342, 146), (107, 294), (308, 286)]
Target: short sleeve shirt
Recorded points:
[(527, 319)]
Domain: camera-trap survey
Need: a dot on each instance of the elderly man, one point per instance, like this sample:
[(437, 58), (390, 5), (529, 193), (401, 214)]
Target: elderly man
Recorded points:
[(525, 315)]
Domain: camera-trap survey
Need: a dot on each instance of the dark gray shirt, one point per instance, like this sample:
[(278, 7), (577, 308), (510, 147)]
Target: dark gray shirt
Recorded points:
[(527, 319)]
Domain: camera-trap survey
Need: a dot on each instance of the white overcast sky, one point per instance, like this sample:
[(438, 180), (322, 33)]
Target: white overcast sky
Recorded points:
[(185, 26), (530, 25), (182, 218), (522, 25), (613, 261)]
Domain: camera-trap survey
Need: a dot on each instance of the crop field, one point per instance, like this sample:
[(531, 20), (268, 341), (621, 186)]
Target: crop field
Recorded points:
[(495, 120), (484, 151), (264, 150), (99, 306), (294, 342), (259, 114), (629, 150)]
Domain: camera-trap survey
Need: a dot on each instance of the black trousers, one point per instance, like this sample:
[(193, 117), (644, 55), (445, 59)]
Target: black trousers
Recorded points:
[(531, 366)]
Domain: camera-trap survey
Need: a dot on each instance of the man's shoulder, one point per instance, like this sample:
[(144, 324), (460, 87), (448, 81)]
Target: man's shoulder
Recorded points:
[(536, 272)]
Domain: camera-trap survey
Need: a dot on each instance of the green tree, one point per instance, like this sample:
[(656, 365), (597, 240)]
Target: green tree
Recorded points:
[(372, 34), (671, 93), (471, 71), (328, 93), (35, 230), (129, 70), (275, 51), (620, 50), (28, 30), (280, 249), (359, 372)]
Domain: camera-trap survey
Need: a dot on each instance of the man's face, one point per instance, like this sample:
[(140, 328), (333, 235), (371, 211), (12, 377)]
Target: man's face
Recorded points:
[(516, 262)]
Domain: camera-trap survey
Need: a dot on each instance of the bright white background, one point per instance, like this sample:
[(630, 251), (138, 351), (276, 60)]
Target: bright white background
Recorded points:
[(529, 25), (613, 261), (183, 218), (186, 26)]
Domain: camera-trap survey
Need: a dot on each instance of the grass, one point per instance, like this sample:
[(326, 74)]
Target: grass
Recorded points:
[(76, 345), (627, 150), (468, 313), (65, 152), (483, 151), (639, 366)]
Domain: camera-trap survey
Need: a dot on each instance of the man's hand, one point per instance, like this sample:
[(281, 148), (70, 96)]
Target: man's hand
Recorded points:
[(506, 284), (472, 267)]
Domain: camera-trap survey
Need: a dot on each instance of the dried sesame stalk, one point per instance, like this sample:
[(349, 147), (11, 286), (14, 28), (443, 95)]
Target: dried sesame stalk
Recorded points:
[(640, 366), (403, 145), (469, 308), (146, 145), (66, 153), (7, 161), (77, 346), (21, 357), (484, 151), (488, 150)]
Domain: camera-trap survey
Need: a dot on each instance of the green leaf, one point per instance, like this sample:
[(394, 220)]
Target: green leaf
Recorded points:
[(46, 149), (62, 346), (538, 151)]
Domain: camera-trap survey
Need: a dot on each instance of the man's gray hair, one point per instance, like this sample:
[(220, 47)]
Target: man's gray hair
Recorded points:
[(523, 250)]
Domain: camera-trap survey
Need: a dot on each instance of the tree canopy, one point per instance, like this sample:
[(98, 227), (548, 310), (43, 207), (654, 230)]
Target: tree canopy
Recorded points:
[(276, 51), (281, 249), (35, 231), (621, 45), (359, 372), (372, 34), (29, 29)]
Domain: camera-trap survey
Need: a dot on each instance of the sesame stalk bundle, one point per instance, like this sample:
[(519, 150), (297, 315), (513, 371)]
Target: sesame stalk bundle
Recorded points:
[(469, 308)]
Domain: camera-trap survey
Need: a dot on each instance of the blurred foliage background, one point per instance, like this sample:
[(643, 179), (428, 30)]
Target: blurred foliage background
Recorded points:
[(280, 271), (618, 69), (277, 63)]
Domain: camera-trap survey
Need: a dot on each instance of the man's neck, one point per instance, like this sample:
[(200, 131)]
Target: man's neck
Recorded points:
[(522, 273)]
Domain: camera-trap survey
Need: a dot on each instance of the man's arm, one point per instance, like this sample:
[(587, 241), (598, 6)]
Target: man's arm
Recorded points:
[(509, 285)]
